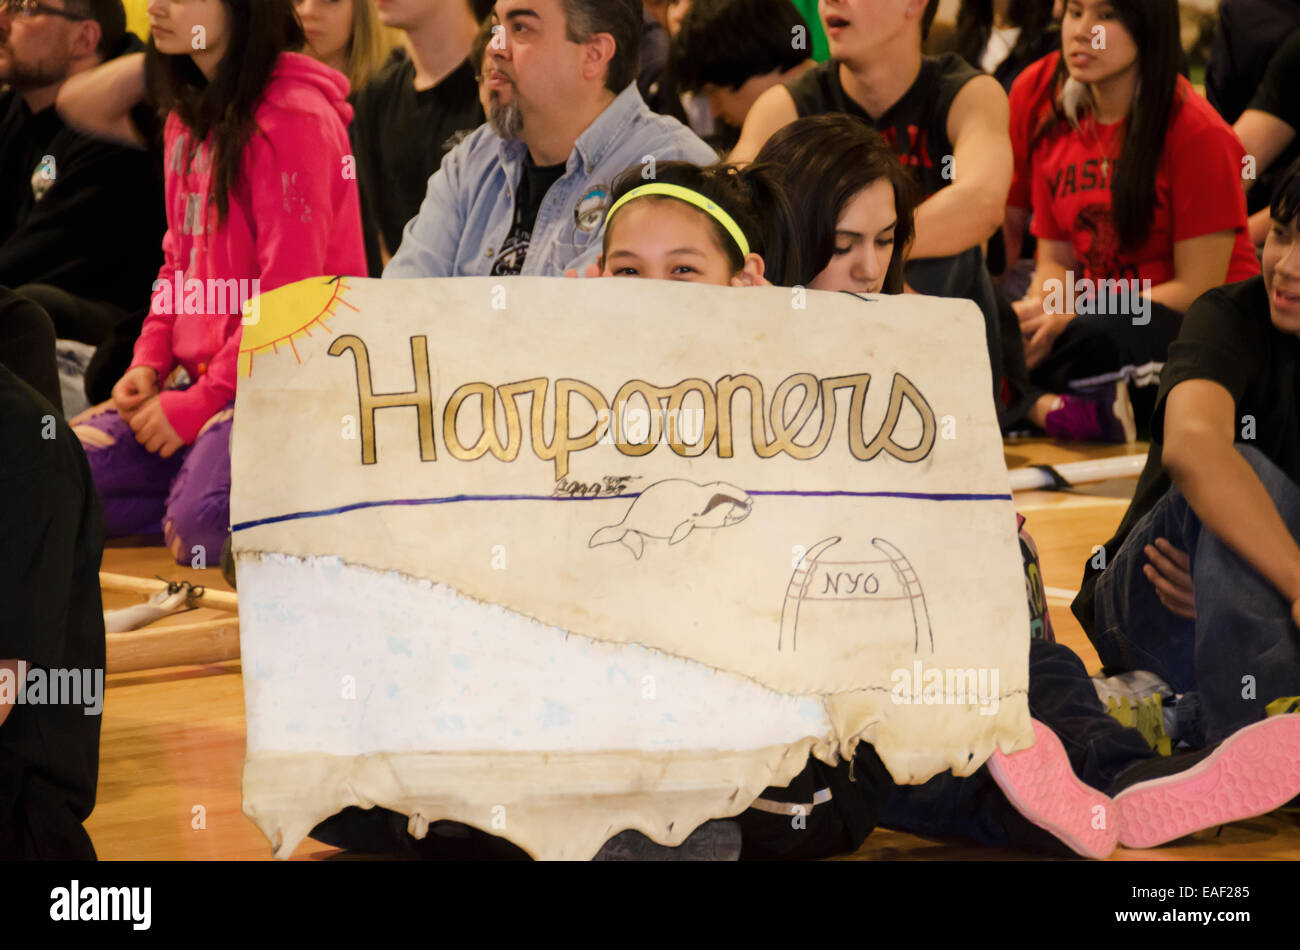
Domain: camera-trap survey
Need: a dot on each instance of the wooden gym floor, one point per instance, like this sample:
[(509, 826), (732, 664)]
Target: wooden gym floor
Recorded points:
[(172, 746)]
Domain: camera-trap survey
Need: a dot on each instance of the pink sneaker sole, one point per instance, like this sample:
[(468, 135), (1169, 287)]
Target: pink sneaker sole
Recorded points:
[(1041, 784), (1253, 772)]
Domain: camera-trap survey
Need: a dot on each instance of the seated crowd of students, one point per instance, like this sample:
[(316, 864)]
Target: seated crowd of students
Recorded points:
[(1134, 249)]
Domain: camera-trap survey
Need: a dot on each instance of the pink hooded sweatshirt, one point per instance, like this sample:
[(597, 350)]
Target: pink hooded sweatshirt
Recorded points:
[(294, 213)]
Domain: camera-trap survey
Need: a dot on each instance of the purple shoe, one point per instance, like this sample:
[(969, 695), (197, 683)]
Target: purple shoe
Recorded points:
[(1104, 414)]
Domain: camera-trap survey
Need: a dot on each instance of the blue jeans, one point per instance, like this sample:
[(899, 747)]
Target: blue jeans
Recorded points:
[(1240, 653), (1062, 697)]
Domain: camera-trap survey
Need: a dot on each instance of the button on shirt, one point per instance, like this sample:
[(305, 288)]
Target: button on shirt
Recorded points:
[(469, 208)]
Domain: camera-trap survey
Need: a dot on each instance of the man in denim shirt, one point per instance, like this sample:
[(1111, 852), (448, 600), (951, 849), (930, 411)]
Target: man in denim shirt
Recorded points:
[(527, 193)]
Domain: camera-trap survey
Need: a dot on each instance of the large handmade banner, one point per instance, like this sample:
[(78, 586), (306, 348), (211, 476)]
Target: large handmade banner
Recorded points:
[(557, 558)]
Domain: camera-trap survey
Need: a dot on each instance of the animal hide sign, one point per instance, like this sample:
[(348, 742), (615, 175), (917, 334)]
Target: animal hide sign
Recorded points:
[(557, 558)]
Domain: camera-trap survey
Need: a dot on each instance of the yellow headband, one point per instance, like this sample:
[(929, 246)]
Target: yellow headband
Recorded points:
[(691, 198)]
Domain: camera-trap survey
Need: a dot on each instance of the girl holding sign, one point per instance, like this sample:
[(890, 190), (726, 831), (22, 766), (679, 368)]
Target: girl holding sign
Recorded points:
[(254, 146), (856, 225)]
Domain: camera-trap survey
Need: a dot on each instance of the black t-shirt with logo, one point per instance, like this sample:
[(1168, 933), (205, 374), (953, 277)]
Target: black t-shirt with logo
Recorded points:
[(916, 126), (400, 136), (534, 183), (79, 214), (51, 618), (1228, 338)]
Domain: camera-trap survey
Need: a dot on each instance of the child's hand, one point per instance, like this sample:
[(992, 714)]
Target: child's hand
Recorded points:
[(593, 270), (138, 385), (746, 279), (1029, 308), (153, 431), (1169, 572)]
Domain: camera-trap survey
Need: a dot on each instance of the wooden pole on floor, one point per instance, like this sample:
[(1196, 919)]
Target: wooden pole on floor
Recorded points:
[(192, 644), (195, 644), (125, 583)]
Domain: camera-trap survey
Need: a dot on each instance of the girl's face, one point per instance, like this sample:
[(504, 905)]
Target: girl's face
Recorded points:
[(197, 28), (328, 25), (864, 242), (1094, 42), (666, 239)]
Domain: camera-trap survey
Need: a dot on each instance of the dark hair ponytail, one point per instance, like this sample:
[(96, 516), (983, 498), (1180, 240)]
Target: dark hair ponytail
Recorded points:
[(825, 161), (259, 30), (754, 196)]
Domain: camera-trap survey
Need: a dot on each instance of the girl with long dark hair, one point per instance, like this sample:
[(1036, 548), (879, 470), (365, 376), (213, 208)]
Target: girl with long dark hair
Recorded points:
[(856, 203), (1138, 208), (257, 196), (1002, 37)]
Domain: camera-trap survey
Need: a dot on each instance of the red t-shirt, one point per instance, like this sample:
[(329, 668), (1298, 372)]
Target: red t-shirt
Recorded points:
[(1032, 95), (1198, 192)]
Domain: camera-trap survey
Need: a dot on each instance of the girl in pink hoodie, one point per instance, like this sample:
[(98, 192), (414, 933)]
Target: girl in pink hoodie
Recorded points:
[(258, 196)]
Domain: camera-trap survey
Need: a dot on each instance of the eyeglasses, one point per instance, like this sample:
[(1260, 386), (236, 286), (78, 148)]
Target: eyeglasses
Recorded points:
[(27, 9)]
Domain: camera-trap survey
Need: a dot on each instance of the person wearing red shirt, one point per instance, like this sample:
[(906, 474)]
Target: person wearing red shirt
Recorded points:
[(1135, 186)]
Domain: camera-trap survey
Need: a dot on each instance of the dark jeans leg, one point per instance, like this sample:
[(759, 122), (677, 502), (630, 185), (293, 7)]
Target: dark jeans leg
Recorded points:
[(1133, 629), (1242, 651), (1101, 348), (1247, 646), (27, 345), (1062, 697)]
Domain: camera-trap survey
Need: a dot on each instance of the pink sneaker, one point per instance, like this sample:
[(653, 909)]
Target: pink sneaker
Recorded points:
[(1252, 772), (1041, 784)]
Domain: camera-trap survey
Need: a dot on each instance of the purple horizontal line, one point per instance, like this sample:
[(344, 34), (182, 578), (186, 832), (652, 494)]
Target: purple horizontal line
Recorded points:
[(326, 512)]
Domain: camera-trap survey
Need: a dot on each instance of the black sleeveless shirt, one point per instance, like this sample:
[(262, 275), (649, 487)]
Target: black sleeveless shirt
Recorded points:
[(916, 126)]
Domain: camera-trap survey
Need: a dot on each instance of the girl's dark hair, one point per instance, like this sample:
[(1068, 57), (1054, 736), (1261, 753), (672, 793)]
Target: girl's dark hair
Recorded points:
[(825, 161), (754, 197), (975, 25), (1154, 26), (1286, 196), (260, 30)]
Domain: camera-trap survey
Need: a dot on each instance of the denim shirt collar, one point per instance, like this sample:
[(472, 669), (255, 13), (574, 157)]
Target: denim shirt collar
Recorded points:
[(608, 129)]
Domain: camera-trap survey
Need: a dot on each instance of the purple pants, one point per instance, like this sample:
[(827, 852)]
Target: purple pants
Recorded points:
[(185, 498)]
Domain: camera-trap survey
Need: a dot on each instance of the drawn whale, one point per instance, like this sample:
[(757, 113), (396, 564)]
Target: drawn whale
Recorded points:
[(674, 508)]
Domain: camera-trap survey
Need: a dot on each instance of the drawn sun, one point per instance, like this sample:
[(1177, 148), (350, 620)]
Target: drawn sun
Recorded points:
[(289, 313)]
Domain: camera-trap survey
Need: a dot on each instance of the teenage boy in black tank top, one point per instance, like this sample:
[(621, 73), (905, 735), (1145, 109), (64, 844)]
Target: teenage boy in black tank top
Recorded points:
[(916, 126), (948, 123)]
